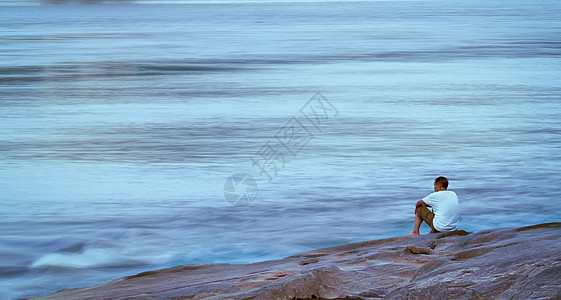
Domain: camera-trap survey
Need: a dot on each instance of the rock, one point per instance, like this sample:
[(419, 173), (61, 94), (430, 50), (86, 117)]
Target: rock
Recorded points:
[(507, 263), (415, 250)]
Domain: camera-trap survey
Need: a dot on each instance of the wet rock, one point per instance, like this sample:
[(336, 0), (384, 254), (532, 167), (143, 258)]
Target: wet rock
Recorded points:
[(507, 263)]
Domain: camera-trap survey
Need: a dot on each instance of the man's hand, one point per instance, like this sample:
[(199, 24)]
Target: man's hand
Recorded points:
[(419, 203)]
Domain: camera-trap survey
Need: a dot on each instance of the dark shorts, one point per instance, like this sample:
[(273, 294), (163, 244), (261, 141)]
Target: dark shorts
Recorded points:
[(426, 215)]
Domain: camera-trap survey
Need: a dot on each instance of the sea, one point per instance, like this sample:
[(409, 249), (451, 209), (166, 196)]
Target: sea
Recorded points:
[(140, 135)]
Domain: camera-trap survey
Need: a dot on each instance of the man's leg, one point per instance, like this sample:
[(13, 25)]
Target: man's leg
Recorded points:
[(418, 222), (423, 214)]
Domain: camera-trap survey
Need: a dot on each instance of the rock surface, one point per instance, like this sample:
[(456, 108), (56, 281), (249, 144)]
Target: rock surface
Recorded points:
[(508, 263)]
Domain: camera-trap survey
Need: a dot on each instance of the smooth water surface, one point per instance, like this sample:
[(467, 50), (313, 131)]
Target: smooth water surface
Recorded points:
[(121, 124)]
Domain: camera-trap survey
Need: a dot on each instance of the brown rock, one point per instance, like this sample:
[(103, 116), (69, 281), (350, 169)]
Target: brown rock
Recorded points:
[(415, 250), (519, 263)]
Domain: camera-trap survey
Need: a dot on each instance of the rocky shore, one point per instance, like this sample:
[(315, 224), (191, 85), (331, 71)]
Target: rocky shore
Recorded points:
[(506, 263)]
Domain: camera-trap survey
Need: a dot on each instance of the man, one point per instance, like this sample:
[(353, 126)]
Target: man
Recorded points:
[(446, 209)]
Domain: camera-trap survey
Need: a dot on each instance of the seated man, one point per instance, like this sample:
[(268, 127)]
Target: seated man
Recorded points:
[(446, 209)]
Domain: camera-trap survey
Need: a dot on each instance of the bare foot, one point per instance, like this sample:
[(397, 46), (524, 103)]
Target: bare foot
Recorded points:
[(413, 233)]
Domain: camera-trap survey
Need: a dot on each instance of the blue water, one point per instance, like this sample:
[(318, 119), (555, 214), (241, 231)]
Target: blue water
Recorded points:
[(121, 122)]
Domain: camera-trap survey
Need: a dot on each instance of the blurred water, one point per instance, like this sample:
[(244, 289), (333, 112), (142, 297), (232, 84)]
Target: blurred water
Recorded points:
[(121, 123)]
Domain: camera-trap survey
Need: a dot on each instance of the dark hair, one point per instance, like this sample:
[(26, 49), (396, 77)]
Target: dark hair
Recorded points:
[(442, 181)]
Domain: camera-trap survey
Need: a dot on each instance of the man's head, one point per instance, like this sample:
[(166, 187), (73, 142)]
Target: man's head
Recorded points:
[(440, 184)]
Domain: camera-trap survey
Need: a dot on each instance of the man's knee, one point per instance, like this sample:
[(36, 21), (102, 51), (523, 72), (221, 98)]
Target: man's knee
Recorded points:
[(424, 213)]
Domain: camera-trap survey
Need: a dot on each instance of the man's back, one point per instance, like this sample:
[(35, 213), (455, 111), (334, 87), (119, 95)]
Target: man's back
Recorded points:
[(446, 209)]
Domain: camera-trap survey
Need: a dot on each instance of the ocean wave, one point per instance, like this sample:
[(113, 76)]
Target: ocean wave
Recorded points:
[(97, 258)]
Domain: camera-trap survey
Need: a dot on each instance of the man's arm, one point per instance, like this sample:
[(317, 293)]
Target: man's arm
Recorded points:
[(420, 203)]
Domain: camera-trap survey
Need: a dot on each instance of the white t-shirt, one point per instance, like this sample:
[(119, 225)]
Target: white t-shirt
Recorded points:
[(446, 209)]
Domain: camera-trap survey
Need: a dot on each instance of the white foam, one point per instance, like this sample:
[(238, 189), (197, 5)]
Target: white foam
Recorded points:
[(92, 258)]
